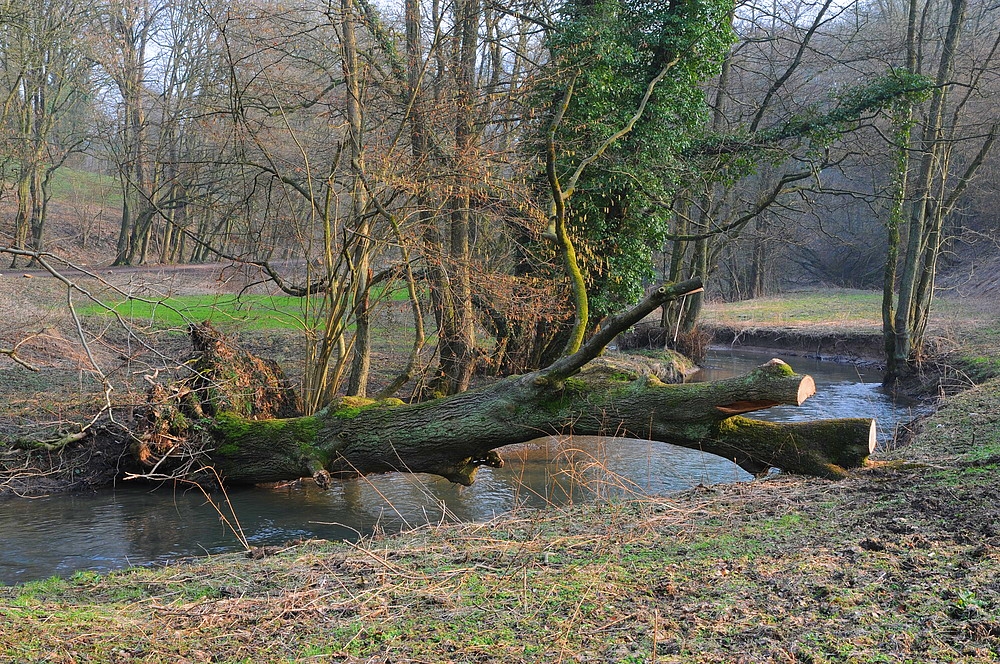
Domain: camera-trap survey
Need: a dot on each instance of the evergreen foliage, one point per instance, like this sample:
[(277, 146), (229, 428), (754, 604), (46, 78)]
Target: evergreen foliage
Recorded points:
[(609, 51)]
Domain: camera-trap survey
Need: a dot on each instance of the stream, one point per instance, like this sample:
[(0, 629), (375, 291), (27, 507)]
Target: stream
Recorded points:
[(131, 525)]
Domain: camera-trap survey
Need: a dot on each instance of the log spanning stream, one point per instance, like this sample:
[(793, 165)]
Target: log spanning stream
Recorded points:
[(132, 526)]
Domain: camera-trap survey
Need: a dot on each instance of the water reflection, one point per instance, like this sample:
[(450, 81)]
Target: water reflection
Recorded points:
[(132, 526)]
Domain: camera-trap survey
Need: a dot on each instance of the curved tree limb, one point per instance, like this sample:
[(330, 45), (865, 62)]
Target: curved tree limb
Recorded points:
[(568, 365)]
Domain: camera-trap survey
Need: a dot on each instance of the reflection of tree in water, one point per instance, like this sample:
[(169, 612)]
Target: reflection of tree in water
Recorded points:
[(351, 492), (183, 522)]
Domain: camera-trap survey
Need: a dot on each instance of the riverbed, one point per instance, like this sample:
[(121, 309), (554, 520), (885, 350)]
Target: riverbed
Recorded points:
[(132, 525)]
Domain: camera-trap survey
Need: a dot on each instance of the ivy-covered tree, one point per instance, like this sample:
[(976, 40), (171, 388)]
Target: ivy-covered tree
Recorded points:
[(629, 132), (625, 98)]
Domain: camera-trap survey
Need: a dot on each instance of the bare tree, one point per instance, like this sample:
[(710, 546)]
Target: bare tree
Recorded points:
[(46, 78), (932, 187)]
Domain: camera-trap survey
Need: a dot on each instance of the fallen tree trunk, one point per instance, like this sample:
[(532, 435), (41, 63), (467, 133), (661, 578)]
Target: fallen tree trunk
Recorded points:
[(579, 394), (452, 437)]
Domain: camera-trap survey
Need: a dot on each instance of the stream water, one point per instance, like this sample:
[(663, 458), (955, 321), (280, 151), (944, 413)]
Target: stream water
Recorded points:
[(134, 526)]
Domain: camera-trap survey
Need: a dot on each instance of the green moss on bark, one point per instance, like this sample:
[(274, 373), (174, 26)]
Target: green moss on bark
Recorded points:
[(350, 407), (302, 432)]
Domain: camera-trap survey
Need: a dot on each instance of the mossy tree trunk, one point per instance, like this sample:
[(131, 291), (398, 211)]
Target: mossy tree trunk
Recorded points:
[(453, 436), (580, 394)]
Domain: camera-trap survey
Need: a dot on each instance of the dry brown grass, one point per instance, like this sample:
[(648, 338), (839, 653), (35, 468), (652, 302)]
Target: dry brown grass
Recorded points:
[(781, 570)]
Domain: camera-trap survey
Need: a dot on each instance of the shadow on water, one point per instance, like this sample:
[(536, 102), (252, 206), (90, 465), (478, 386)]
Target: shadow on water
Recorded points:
[(132, 526)]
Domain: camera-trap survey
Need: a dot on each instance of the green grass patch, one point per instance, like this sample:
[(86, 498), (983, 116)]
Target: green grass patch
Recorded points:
[(32, 590), (977, 356), (837, 307), (966, 427), (977, 368), (246, 312), (73, 186), (252, 312)]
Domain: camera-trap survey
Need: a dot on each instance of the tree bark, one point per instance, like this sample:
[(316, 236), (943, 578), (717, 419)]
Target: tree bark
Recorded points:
[(923, 233), (580, 394)]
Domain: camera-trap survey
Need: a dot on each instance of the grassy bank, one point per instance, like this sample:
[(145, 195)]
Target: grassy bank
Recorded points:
[(895, 564), (830, 311)]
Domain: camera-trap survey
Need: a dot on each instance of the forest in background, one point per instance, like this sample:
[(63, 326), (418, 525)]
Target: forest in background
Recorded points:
[(524, 169)]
